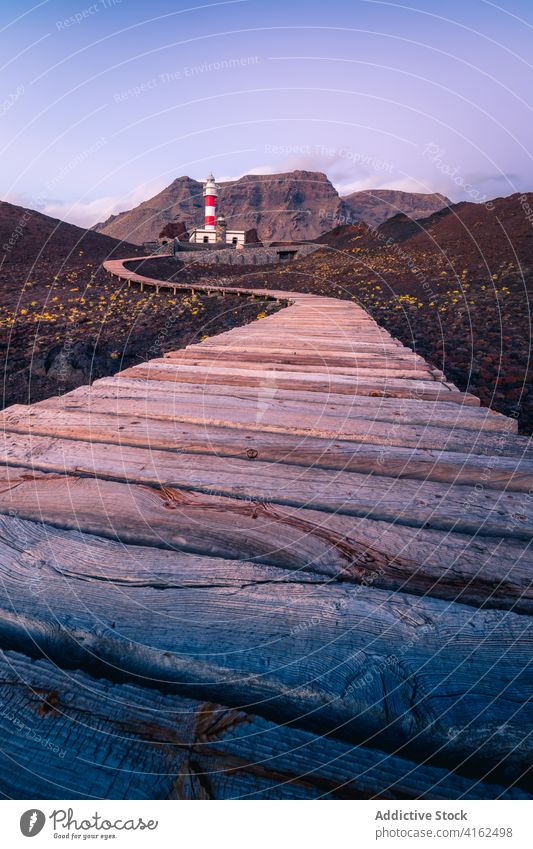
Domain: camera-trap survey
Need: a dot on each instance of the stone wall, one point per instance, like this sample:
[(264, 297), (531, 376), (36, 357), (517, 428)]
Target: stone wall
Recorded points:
[(246, 256)]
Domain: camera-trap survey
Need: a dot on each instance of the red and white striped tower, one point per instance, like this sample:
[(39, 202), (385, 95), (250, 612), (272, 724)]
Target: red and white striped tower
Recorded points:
[(210, 195)]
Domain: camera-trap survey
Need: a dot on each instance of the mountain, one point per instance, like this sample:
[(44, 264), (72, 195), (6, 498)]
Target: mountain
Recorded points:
[(296, 205), (65, 322), (463, 238), (300, 205), (494, 238), (375, 206), (456, 286), (28, 236)]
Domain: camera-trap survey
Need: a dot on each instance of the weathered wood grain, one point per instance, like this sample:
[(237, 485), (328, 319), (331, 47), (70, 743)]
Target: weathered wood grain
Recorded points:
[(370, 343), (431, 390), (251, 420), (297, 358), (310, 408), (384, 369), (479, 570), (460, 508), (340, 676), (145, 745), (512, 470), (239, 570), (357, 348)]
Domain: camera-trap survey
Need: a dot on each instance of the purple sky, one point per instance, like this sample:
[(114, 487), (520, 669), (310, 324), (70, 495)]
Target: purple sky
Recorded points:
[(105, 103)]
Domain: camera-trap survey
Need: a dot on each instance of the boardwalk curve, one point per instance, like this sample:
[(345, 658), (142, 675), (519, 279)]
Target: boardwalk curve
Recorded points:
[(289, 561)]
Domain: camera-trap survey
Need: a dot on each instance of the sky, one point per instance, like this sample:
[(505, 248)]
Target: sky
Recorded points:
[(105, 103)]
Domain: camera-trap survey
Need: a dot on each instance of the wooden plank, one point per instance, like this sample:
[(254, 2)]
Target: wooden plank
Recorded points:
[(279, 344), (311, 408), (169, 747), (303, 328), (307, 332), (248, 418), (198, 352), (284, 338), (455, 675), (327, 308), (483, 570), (326, 325), (375, 386), (465, 509), (511, 468), (366, 360), (292, 375), (383, 370), (340, 384), (317, 341)]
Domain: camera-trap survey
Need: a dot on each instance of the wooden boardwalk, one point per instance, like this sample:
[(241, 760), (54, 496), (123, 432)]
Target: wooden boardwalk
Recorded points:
[(291, 561)]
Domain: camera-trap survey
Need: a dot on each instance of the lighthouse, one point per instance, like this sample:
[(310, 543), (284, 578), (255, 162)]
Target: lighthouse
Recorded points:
[(210, 200), (214, 229)]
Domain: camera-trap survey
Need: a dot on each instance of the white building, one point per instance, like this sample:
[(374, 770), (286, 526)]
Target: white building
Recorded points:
[(214, 230)]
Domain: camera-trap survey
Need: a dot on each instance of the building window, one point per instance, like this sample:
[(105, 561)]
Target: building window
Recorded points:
[(286, 256)]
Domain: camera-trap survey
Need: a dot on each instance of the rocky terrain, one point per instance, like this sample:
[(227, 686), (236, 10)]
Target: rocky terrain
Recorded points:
[(63, 322), (28, 237), (297, 205), (456, 287), (375, 206)]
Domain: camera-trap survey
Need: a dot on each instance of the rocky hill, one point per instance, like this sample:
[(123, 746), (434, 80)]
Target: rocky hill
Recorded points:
[(375, 206), (28, 236), (456, 286), (296, 205), (64, 322)]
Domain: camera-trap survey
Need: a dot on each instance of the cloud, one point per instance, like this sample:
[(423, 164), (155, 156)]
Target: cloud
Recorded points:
[(18, 198), (86, 213), (349, 170), (401, 184), (83, 213)]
